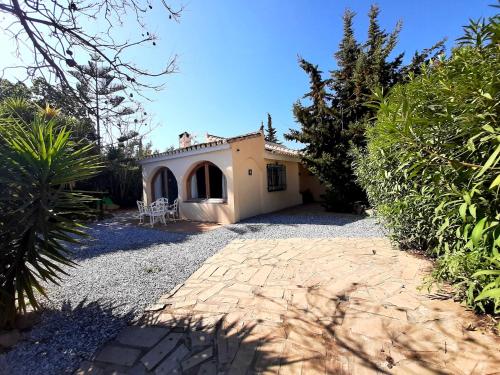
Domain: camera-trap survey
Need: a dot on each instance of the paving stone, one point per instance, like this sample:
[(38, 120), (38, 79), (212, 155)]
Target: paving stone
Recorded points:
[(268, 356), (213, 308), (200, 271), (137, 369), (243, 359), (409, 366), (271, 293), (206, 322), (185, 303), (197, 358), (405, 301), (158, 352), (171, 364), (89, 368), (209, 271), (329, 306), (155, 307), (144, 337), (233, 344), (118, 355), (291, 363), (261, 275), (206, 294), (199, 338), (219, 272), (208, 368), (246, 274), (222, 348)]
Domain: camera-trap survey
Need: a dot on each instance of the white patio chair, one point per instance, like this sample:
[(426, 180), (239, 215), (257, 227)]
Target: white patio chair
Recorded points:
[(157, 211), (143, 211), (162, 200), (173, 210)]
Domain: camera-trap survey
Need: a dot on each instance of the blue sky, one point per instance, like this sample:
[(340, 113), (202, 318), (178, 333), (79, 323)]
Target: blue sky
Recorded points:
[(238, 59)]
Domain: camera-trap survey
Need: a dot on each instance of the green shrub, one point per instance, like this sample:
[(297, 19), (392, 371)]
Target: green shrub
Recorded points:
[(40, 214), (431, 167)]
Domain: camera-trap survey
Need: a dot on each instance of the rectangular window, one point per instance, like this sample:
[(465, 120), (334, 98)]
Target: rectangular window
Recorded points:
[(276, 177)]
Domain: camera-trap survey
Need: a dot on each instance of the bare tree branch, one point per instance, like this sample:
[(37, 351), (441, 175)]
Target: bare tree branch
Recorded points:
[(55, 32)]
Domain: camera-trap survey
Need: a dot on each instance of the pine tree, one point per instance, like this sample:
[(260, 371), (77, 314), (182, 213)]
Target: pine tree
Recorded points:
[(107, 105), (324, 135), (335, 118), (342, 82), (271, 131)]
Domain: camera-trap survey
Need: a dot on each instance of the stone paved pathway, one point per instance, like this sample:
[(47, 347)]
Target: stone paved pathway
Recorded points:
[(302, 306)]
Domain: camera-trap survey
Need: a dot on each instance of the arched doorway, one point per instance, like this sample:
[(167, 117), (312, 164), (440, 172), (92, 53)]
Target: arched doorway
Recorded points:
[(164, 184)]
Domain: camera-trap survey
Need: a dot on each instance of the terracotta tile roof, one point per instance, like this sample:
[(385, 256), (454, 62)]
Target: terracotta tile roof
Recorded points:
[(276, 148), (218, 141), (213, 137)]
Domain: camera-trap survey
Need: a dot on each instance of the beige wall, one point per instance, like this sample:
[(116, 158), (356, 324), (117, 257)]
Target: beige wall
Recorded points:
[(310, 182), (247, 194), (250, 194), (181, 168), (248, 190), (277, 200)]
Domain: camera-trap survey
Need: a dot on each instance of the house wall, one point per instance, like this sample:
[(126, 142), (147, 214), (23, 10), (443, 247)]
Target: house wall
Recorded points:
[(247, 194), (181, 167), (250, 191), (310, 182)]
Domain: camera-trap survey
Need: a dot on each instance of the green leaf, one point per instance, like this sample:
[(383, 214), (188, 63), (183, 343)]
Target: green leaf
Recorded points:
[(495, 182), (491, 161), (472, 210), (463, 211), (477, 232), (487, 95), (486, 272), (486, 294), (489, 129)]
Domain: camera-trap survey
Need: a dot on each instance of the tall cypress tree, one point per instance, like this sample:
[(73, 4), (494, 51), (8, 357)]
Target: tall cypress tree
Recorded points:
[(271, 131), (335, 116), (343, 78)]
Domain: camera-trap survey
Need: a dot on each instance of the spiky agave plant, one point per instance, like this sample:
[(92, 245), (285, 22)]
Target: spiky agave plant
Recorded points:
[(39, 213)]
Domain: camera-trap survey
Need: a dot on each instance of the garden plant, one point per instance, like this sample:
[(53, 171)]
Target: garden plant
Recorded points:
[(431, 167), (41, 213)]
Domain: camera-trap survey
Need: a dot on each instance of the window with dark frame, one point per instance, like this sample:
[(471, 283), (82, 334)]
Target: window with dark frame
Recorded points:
[(206, 181), (276, 177)]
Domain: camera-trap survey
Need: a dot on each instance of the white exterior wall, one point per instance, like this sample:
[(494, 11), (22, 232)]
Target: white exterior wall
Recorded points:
[(181, 166), (247, 194)]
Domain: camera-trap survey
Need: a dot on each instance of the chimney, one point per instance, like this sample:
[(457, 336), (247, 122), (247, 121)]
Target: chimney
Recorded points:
[(184, 140)]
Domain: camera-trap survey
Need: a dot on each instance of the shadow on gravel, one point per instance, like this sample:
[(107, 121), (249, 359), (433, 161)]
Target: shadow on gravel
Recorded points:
[(290, 218), (108, 236), (64, 338), (241, 229)]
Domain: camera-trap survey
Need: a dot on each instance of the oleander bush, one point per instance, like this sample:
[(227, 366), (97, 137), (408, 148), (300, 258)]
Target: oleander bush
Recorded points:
[(40, 212), (431, 168)]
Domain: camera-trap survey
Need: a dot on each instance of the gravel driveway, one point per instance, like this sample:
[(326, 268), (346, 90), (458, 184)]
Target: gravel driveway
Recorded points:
[(123, 268)]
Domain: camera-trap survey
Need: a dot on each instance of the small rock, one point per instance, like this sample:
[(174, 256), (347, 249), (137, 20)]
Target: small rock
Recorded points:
[(10, 338)]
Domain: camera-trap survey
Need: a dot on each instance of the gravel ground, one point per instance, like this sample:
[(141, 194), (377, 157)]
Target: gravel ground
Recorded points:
[(124, 268)]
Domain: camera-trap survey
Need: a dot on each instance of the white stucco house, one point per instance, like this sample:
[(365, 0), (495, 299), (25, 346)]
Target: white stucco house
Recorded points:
[(226, 180)]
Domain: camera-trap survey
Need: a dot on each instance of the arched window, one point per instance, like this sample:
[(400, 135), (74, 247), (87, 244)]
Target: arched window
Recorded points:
[(207, 181)]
